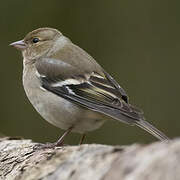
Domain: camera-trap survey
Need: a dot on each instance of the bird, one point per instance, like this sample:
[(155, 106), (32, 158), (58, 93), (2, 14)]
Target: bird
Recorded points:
[(70, 90)]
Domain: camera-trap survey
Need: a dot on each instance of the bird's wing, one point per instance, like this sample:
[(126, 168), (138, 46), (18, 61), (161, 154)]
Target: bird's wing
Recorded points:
[(98, 92)]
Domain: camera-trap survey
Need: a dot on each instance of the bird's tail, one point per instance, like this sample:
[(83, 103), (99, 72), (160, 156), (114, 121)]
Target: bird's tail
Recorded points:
[(152, 130)]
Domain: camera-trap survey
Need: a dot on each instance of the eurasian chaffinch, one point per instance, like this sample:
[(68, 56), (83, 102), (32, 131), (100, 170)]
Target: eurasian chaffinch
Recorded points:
[(70, 89)]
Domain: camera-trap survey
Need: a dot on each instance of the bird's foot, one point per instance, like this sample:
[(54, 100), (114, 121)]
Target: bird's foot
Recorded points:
[(58, 144), (40, 146)]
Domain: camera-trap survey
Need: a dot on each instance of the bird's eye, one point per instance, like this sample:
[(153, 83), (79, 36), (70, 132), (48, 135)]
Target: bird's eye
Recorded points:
[(35, 40)]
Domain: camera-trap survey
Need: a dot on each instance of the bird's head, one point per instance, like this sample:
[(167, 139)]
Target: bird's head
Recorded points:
[(39, 43)]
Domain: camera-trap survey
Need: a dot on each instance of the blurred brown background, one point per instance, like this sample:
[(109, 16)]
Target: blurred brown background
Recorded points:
[(137, 42)]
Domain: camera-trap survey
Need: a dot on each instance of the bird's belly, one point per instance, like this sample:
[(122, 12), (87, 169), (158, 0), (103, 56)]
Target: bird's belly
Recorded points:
[(64, 114)]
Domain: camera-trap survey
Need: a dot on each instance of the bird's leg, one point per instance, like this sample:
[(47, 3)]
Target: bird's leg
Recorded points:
[(82, 139), (60, 141), (53, 145)]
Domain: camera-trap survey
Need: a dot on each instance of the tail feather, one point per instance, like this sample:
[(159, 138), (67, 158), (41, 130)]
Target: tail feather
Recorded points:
[(152, 130)]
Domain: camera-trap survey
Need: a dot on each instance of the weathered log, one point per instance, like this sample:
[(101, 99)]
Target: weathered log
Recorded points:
[(156, 161)]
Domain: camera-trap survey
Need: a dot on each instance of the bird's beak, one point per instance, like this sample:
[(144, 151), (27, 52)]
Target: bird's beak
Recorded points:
[(19, 44)]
